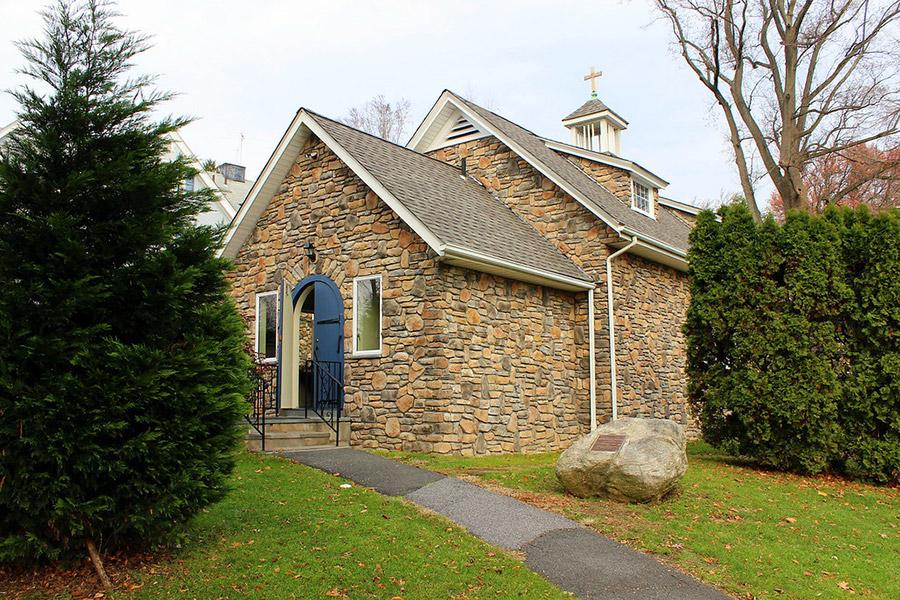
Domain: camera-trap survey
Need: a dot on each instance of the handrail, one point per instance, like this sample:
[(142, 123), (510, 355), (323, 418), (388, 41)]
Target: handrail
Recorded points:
[(262, 397), (322, 380)]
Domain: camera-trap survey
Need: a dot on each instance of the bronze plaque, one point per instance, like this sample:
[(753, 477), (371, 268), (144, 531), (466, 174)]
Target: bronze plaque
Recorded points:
[(608, 443)]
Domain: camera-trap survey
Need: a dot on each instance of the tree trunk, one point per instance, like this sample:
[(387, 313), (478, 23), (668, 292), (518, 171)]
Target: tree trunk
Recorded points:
[(98, 564)]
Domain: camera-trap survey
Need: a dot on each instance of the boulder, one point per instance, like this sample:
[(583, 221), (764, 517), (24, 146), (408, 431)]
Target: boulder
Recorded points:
[(630, 460)]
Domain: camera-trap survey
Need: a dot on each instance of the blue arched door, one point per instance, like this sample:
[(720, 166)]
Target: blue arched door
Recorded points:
[(326, 367)]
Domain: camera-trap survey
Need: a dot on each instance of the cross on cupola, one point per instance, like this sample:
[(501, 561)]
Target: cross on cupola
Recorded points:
[(594, 125), (592, 77)]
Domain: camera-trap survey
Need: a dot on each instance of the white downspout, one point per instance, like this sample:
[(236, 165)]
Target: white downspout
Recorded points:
[(591, 366), (612, 333)]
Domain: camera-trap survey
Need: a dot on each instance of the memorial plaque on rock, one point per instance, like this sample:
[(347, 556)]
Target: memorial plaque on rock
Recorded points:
[(608, 443)]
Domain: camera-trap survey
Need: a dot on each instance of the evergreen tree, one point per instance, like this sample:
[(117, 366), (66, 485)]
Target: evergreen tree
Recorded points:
[(122, 370)]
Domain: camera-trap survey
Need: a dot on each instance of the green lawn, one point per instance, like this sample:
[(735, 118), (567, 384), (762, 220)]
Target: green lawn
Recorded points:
[(750, 532), (288, 531)]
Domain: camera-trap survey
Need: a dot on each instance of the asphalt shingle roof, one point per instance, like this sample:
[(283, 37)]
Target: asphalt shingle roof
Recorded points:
[(665, 228), (458, 210), (590, 107)]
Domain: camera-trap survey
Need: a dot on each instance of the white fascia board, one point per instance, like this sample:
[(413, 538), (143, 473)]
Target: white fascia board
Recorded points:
[(613, 161), (682, 206), (208, 181), (659, 251), (251, 209), (490, 264), (232, 242), (382, 192), (544, 169)]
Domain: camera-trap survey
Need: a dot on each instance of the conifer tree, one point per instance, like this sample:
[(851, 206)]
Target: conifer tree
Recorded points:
[(122, 370)]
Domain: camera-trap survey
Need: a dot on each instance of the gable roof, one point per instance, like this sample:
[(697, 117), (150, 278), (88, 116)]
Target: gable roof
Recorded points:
[(454, 215), (221, 201), (666, 232)]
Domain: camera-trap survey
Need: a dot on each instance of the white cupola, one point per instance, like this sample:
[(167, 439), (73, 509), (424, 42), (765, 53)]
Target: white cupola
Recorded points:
[(595, 126)]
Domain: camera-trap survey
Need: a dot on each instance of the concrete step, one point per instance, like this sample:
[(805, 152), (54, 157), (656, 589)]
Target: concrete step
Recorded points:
[(296, 435)]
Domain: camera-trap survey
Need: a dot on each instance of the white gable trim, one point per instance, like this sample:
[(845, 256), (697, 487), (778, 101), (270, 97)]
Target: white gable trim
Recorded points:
[(276, 169)]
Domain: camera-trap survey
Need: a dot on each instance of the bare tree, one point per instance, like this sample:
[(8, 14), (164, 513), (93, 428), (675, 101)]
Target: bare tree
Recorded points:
[(380, 117), (797, 80)]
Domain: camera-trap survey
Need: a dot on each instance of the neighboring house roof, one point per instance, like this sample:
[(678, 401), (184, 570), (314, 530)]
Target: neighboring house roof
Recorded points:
[(221, 200), (6, 129), (234, 191), (666, 232), (457, 217), (590, 107)]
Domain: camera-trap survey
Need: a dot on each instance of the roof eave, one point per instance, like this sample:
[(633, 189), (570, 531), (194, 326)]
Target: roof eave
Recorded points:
[(658, 251), (478, 261)]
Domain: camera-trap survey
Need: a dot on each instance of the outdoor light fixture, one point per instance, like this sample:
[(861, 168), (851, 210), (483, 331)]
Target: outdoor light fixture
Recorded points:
[(310, 251)]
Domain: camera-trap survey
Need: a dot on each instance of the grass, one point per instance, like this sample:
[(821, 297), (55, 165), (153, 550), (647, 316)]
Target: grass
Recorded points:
[(752, 533), (288, 531)]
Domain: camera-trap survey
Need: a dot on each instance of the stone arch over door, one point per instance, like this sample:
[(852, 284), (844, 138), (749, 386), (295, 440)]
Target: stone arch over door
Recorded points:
[(318, 296)]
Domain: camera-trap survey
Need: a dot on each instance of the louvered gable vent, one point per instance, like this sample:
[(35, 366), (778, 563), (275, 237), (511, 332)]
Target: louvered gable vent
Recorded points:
[(458, 130)]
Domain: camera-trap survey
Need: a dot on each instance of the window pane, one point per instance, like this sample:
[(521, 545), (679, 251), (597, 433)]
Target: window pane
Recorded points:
[(368, 318), (189, 184), (267, 321), (641, 197)]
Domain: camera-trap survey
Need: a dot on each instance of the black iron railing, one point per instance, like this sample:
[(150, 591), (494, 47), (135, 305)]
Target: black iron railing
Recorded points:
[(262, 400), (326, 380)]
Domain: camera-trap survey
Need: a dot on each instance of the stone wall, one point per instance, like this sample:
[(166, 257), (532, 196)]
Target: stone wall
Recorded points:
[(650, 306), (471, 362), (651, 299)]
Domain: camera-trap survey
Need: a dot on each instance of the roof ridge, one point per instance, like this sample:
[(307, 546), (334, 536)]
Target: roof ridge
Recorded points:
[(499, 116), (381, 139)]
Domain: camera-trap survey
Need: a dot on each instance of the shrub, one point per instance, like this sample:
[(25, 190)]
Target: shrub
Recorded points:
[(792, 339), (122, 373)]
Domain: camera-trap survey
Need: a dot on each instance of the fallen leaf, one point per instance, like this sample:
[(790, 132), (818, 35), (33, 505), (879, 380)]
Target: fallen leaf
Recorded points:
[(845, 586)]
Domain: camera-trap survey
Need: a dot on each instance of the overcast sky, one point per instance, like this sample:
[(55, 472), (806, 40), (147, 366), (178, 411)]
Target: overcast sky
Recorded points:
[(245, 67)]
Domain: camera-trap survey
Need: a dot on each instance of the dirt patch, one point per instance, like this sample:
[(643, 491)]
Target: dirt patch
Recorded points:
[(76, 578)]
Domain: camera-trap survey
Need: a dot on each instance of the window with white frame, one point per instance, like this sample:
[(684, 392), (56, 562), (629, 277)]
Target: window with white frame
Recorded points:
[(641, 199), (267, 326), (367, 316)]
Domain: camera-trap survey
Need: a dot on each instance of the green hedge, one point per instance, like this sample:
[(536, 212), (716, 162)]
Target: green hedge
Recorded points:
[(793, 354)]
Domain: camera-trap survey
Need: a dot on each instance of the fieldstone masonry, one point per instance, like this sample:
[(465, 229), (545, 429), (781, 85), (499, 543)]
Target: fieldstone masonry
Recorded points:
[(651, 299), (471, 363)]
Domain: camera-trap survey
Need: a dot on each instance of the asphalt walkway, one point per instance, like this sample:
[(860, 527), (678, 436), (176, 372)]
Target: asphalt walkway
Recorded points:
[(573, 557)]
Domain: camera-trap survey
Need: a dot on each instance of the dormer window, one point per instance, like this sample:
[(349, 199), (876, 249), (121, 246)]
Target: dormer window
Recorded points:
[(641, 198)]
